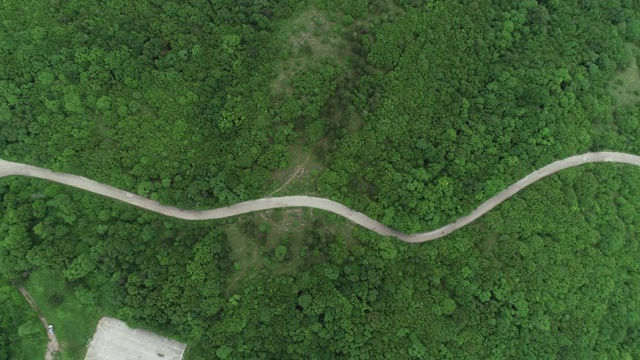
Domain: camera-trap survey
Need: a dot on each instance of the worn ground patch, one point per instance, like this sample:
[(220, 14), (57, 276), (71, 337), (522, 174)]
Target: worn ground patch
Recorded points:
[(244, 254), (625, 86), (114, 340), (309, 37), (294, 179)]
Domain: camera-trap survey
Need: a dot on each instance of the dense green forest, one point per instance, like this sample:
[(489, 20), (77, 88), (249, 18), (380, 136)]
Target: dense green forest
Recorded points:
[(413, 112)]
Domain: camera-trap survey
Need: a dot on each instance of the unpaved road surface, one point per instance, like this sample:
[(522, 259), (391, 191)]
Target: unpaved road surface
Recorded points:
[(11, 168), (53, 345)]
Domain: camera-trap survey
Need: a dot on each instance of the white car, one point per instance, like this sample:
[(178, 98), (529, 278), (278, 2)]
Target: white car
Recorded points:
[(50, 328)]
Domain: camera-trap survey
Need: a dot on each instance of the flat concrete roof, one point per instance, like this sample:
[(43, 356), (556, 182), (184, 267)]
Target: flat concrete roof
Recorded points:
[(114, 340)]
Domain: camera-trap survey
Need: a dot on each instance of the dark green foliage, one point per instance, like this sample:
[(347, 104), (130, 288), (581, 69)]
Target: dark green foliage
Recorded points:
[(55, 300)]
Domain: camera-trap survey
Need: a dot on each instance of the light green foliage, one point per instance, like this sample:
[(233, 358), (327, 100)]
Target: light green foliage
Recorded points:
[(223, 352), (80, 267), (86, 296), (30, 328), (276, 157), (633, 30), (388, 249), (281, 252), (103, 103), (315, 130), (448, 307), (347, 20), (144, 188), (72, 103), (149, 85), (481, 101), (417, 350), (305, 301), (46, 78), (230, 43)]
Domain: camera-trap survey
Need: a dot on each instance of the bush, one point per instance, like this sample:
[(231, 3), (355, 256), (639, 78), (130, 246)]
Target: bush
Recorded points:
[(86, 296), (224, 351), (347, 20), (55, 300)]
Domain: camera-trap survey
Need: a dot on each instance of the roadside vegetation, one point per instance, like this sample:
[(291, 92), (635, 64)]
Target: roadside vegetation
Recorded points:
[(411, 112), (72, 310), (22, 336)]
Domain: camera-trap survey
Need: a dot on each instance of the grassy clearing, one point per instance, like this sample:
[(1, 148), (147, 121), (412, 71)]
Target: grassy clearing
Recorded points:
[(74, 323), (293, 229), (300, 154), (625, 86), (254, 239), (244, 254), (299, 177), (309, 37), (289, 230)]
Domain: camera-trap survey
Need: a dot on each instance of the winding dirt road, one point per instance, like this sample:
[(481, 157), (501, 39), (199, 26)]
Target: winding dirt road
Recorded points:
[(8, 168)]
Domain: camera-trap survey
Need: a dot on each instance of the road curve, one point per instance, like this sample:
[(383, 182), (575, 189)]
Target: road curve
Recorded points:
[(8, 168)]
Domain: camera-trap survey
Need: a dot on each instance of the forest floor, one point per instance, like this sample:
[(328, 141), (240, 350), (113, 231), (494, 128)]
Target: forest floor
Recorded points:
[(11, 168), (53, 346)]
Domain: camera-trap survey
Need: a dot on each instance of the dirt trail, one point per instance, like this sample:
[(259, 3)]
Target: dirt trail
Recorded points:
[(298, 168), (53, 345), (11, 168)]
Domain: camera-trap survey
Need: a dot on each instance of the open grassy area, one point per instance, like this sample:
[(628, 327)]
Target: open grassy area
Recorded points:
[(258, 241), (312, 37), (244, 254), (255, 238), (74, 323), (299, 177), (625, 86), (309, 38)]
